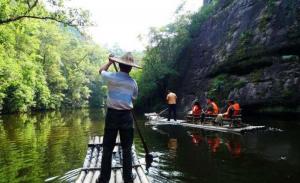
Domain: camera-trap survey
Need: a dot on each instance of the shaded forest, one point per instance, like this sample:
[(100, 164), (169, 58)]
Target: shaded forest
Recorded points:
[(46, 61)]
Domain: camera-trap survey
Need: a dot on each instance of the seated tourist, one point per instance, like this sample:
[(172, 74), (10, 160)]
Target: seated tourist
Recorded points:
[(212, 107), (232, 110), (196, 109)]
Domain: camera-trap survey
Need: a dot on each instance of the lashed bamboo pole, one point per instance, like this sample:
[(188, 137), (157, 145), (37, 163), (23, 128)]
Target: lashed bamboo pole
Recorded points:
[(112, 177), (141, 174), (119, 176), (137, 179), (90, 174), (91, 168), (97, 172), (86, 162)]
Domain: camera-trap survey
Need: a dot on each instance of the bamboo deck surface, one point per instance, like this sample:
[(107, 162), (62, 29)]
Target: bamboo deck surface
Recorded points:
[(92, 164), (157, 120)]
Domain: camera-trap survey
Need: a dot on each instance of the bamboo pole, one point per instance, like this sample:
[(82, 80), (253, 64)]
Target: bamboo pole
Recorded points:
[(99, 158), (142, 174), (90, 174), (112, 177), (91, 140), (86, 163), (139, 170), (135, 160), (119, 178), (118, 140), (97, 140), (93, 160), (116, 149), (137, 179)]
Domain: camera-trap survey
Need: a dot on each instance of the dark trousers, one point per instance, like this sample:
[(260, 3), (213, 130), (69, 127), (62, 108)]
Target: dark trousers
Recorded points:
[(115, 121), (172, 109)]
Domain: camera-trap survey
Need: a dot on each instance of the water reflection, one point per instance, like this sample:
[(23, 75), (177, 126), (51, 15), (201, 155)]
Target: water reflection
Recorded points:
[(44, 145), (36, 146), (214, 142), (204, 156), (234, 146), (172, 144), (197, 138)]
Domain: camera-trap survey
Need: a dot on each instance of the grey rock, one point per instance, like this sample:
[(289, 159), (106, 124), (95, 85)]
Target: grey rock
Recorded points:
[(246, 40)]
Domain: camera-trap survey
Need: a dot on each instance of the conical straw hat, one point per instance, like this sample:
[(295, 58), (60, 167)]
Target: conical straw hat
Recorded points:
[(126, 59)]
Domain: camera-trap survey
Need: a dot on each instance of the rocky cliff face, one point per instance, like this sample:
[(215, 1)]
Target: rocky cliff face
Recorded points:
[(249, 51)]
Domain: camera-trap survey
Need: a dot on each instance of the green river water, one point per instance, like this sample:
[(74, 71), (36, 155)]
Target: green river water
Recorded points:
[(36, 147)]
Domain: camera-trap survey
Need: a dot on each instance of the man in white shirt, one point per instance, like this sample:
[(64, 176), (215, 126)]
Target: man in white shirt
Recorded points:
[(122, 89)]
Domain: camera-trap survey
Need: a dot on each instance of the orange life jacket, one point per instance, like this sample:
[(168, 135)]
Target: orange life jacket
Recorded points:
[(215, 108), (236, 108), (196, 110)]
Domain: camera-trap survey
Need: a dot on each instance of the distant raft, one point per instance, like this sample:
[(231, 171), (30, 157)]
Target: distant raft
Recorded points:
[(92, 164), (156, 120)]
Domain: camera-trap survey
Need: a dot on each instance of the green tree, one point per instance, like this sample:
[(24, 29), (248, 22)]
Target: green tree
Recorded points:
[(44, 65), (162, 64), (11, 11)]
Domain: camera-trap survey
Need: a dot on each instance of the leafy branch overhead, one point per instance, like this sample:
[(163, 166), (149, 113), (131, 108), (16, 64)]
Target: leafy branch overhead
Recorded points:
[(54, 10)]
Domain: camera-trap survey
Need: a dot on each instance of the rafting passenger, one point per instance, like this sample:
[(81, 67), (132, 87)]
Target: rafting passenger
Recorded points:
[(196, 109), (232, 110), (212, 110), (212, 107), (195, 113)]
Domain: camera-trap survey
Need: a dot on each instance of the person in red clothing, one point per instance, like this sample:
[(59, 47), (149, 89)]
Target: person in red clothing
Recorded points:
[(212, 107), (232, 110), (212, 110), (196, 109), (236, 109)]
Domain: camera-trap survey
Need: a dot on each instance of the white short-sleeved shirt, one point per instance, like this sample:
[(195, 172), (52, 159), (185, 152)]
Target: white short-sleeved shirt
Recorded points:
[(122, 89)]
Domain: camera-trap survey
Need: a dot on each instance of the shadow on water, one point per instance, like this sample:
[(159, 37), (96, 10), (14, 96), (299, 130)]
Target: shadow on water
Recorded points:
[(52, 145), (194, 155)]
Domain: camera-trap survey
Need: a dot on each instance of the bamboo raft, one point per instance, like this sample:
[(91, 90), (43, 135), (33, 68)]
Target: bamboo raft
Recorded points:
[(158, 120), (92, 163)]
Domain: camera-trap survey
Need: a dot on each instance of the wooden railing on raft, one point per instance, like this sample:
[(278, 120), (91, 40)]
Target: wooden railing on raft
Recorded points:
[(92, 163), (212, 117)]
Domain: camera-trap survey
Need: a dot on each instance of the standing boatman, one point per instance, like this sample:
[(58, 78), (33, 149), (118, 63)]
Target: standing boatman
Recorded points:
[(171, 100), (122, 89)]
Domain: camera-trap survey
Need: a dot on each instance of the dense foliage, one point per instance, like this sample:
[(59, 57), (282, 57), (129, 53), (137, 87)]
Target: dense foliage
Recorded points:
[(14, 10), (162, 68), (45, 65)]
